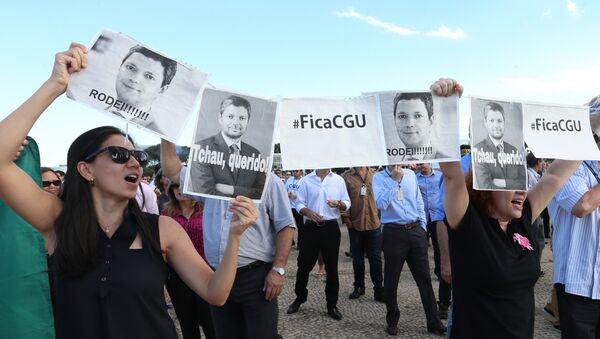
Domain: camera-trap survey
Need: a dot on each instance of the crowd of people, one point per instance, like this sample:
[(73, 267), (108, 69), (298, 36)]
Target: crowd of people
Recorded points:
[(114, 241)]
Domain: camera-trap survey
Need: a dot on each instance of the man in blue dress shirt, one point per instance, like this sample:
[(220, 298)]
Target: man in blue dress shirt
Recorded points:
[(404, 239), (429, 184)]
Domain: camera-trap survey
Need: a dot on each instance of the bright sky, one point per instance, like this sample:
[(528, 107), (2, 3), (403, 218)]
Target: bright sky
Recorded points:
[(538, 50)]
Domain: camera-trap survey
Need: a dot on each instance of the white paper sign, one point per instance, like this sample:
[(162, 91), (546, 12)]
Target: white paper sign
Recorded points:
[(497, 149), (232, 150), (331, 132), (559, 132), (419, 127), (135, 83)]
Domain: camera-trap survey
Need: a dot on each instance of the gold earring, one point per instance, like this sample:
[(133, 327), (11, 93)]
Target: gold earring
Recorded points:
[(92, 182)]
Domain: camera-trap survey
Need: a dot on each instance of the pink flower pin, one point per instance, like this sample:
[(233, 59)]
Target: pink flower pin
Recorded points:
[(523, 241)]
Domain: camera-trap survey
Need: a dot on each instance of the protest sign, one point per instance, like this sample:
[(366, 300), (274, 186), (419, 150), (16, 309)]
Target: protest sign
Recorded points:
[(559, 132), (331, 132), (497, 150), (134, 83), (232, 150), (419, 127)]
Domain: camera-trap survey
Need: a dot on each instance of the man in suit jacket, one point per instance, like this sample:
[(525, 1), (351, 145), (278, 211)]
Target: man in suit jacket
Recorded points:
[(413, 117), (215, 179), (494, 173)]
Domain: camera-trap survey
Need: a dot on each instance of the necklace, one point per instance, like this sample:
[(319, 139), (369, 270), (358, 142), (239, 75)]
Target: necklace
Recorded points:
[(105, 229)]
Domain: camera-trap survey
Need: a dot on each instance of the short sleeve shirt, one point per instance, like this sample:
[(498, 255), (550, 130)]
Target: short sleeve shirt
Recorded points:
[(493, 277)]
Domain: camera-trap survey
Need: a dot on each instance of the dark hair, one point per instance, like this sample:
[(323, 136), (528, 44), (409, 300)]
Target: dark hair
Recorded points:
[(172, 207), (481, 199), (235, 101), (492, 106), (77, 225), (424, 97), (169, 66), (532, 160), (48, 169), (158, 182)]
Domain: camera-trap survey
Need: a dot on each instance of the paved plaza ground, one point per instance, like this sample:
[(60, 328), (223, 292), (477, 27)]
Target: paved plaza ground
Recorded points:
[(365, 318)]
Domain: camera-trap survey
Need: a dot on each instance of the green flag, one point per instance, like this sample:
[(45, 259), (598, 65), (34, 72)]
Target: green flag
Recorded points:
[(25, 306)]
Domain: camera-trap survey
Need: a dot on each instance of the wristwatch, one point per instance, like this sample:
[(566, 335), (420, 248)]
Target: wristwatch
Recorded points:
[(279, 270)]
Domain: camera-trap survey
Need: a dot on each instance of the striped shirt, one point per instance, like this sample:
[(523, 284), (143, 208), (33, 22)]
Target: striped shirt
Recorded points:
[(575, 240)]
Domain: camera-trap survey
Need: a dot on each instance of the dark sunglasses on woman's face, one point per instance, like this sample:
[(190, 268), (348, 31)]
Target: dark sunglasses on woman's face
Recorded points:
[(121, 155), (51, 182)]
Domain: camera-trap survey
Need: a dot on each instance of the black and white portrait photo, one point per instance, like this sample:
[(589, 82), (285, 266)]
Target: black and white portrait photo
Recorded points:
[(233, 145), (497, 148), (137, 84), (419, 126)]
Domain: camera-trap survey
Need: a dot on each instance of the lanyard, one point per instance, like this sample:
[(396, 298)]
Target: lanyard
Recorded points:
[(593, 171)]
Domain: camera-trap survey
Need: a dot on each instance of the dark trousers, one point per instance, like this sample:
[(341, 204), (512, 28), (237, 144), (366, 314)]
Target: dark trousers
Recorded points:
[(298, 218), (192, 311), (369, 242), (546, 218), (247, 314), (312, 238), (540, 238), (400, 245), (444, 289), (579, 316)]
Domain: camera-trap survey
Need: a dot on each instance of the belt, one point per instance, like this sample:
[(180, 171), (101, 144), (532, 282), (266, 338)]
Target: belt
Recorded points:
[(251, 266), (408, 226), (322, 223)]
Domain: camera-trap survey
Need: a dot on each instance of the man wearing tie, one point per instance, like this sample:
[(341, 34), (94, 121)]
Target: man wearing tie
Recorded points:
[(498, 175), (233, 118)]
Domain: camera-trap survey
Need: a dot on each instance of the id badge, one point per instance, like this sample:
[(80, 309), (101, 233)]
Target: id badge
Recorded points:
[(399, 194), (363, 190)]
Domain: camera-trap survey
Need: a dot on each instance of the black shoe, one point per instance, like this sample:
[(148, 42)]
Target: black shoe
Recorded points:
[(443, 310), (378, 296), (358, 291), (392, 330), (294, 307), (438, 329), (334, 313)]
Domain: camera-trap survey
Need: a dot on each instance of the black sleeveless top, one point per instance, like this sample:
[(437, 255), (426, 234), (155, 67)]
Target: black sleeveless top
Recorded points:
[(123, 297)]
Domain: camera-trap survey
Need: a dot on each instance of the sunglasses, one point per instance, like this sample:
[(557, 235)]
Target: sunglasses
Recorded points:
[(51, 182), (121, 155)]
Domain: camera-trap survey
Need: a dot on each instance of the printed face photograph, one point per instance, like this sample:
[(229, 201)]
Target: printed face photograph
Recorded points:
[(413, 122), (140, 80), (494, 122), (138, 85), (233, 121)]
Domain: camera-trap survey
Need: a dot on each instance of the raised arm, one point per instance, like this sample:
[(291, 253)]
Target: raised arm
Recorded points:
[(17, 189), (193, 270), (556, 176), (169, 161), (456, 197)]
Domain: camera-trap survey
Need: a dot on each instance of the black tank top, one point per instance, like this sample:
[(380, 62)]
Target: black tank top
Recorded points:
[(123, 297)]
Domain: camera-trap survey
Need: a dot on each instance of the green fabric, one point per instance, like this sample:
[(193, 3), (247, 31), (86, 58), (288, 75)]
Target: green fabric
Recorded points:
[(25, 305)]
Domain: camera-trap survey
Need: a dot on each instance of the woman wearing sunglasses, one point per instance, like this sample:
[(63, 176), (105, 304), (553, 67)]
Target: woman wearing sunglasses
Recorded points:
[(50, 181), (110, 259)]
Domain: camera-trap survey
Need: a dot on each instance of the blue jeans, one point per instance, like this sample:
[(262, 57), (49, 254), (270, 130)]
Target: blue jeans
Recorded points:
[(368, 242)]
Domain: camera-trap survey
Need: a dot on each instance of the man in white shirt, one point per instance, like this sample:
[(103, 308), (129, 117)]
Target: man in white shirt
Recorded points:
[(322, 195)]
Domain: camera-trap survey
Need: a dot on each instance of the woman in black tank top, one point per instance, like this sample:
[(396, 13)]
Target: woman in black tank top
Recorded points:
[(109, 258)]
